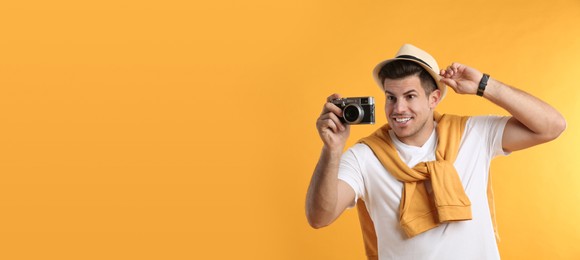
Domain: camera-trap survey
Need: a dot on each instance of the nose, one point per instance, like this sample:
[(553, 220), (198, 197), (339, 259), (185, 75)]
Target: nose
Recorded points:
[(400, 107)]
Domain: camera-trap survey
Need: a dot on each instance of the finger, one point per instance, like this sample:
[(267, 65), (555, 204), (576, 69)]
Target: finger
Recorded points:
[(446, 74), (330, 107), (449, 72), (456, 66), (449, 82), (327, 123), (335, 120), (332, 97)]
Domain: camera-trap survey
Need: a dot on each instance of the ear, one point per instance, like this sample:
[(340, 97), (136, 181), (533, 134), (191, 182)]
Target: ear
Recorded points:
[(434, 98)]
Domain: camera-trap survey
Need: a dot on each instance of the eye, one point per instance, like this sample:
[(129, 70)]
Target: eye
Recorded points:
[(411, 96), (391, 99)]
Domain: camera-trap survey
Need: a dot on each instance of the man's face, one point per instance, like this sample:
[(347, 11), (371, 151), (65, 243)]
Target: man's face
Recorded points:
[(409, 110)]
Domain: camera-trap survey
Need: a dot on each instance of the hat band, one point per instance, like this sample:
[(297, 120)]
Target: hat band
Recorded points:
[(414, 58)]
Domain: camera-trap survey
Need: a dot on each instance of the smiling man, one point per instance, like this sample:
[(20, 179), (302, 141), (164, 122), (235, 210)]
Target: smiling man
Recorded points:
[(421, 182), (409, 105)]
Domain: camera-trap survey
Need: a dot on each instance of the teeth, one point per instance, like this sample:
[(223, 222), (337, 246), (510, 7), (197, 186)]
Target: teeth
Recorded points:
[(402, 120)]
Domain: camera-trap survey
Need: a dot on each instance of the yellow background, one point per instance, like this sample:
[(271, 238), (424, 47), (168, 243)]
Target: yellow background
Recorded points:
[(186, 130)]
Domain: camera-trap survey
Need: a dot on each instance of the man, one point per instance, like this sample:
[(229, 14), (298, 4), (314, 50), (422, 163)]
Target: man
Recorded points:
[(423, 178)]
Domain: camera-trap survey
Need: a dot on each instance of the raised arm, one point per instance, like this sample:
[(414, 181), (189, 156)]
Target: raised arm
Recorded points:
[(328, 196), (533, 122)]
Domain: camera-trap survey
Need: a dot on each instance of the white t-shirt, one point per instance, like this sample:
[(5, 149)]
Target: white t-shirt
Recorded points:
[(472, 239)]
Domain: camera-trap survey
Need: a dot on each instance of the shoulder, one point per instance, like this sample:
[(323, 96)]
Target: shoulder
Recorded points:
[(359, 156), (359, 151), (487, 130), (487, 121)]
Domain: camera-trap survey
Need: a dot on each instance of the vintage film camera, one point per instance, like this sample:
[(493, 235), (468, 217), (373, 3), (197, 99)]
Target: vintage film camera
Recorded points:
[(356, 110)]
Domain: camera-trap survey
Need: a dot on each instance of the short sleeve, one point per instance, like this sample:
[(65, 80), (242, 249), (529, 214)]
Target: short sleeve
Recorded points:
[(350, 171), (491, 129)]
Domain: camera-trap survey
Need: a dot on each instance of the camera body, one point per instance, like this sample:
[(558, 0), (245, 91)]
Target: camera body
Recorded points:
[(356, 110)]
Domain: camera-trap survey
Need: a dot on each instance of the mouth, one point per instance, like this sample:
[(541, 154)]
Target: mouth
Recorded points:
[(402, 121)]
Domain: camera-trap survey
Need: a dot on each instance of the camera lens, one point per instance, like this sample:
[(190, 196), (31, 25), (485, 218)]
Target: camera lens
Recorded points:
[(353, 114)]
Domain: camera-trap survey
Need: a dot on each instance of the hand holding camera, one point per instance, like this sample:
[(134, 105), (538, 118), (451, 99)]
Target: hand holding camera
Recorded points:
[(338, 113)]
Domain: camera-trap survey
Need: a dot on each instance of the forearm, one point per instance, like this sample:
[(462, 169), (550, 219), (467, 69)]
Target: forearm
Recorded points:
[(538, 116), (322, 196)]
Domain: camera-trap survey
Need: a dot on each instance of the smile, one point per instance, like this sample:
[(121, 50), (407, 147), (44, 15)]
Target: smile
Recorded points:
[(402, 120)]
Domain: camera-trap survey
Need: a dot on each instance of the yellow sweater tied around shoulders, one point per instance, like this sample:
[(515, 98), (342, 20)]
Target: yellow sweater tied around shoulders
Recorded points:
[(419, 210)]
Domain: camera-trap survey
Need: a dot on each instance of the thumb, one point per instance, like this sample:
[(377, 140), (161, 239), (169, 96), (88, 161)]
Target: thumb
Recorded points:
[(449, 82)]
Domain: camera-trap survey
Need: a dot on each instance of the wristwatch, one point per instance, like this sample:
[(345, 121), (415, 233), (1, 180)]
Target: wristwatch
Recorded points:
[(482, 84)]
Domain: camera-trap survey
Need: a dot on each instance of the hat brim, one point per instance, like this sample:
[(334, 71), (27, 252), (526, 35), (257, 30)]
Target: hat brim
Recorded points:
[(441, 86)]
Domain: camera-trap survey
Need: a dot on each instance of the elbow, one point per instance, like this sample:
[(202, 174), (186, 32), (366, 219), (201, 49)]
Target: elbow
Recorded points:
[(316, 221), (558, 128), (316, 224), (562, 125)]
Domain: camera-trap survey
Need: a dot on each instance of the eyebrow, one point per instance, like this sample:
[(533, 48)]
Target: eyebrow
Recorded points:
[(404, 94)]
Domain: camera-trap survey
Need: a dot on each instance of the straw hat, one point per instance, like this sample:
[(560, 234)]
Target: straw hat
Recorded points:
[(424, 59)]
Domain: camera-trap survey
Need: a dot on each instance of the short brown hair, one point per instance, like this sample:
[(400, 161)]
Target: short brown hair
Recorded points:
[(399, 69)]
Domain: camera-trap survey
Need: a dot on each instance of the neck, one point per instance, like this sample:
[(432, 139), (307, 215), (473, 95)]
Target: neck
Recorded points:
[(421, 137)]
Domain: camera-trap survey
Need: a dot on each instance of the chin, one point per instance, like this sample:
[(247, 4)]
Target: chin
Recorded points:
[(401, 134)]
